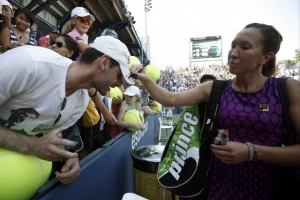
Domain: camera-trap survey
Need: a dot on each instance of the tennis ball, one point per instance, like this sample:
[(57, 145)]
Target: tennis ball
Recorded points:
[(134, 61), (115, 93), (153, 72), (156, 108), (133, 116), (21, 175)]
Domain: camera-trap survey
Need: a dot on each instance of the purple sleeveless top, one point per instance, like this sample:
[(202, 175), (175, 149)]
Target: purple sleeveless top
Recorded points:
[(248, 120)]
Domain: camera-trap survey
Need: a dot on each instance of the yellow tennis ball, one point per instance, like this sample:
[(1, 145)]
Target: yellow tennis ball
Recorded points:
[(153, 72), (21, 175), (134, 61), (115, 93), (133, 116), (156, 108)]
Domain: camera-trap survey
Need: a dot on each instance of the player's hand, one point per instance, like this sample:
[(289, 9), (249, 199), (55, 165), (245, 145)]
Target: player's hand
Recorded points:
[(231, 153), (51, 147), (69, 172), (140, 75)]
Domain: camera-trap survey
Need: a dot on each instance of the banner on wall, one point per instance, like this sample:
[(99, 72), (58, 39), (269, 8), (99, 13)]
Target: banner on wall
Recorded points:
[(137, 136)]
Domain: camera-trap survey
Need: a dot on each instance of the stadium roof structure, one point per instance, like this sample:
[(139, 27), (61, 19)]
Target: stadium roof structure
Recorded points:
[(108, 14)]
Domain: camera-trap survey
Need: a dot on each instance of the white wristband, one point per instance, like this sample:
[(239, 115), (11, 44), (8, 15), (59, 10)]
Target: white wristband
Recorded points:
[(251, 151)]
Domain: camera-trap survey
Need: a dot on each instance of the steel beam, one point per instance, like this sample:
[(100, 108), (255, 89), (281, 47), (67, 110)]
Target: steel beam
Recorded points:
[(43, 6), (32, 4)]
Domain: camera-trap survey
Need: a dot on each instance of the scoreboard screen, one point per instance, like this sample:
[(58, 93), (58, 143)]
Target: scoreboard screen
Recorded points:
[(206, 47)]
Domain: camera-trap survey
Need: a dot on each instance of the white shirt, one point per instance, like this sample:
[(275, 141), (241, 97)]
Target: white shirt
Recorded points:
[(32, 89)]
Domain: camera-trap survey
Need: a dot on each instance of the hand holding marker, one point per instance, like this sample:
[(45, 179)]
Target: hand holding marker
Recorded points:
[(134, 74)]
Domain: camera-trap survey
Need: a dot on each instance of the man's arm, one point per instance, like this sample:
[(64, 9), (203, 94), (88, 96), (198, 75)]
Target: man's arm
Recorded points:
[(46, 147), (14, 141)]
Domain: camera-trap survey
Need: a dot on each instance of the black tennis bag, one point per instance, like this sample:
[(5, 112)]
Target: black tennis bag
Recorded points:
[(186, 158)]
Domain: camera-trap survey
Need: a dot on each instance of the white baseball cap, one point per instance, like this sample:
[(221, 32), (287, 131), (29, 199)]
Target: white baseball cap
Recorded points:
[(5, 3), (82, 12), (117, 50), (132, 90)]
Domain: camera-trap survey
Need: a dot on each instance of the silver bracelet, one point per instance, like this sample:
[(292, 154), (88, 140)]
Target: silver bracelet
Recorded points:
[(251, 151)]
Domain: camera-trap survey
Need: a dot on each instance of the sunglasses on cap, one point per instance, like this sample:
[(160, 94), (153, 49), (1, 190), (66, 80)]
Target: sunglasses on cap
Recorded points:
[(84, 20), (58, 44)]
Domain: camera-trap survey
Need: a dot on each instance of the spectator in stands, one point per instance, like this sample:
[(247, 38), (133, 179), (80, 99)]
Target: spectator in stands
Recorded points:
[(6, 15), (2, 15), (65, 46), (169, 113), (14, 10), (144, 97), (18, 36), (207, 77), (48, 40), (85, 38), (250, 108), (80, 22), (37, 34), (55, 88), (145, 100), (132, 97)]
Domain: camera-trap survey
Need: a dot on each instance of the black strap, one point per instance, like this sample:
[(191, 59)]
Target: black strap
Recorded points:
[(212, 109), (288, 178), (208, 132), (285, 102)]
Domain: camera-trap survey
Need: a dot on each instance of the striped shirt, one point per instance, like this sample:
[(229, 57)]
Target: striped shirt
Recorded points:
[(13, 38)]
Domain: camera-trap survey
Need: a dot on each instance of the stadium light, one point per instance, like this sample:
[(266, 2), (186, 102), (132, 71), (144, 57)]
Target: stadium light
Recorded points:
[(147, 8), (128, 14)]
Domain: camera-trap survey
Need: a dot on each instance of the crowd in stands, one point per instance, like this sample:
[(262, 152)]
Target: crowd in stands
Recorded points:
[(293, 71), (185, 78)]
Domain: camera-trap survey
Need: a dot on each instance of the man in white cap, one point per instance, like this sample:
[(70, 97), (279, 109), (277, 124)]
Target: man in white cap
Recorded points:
[(53, 90), (7, 12)]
